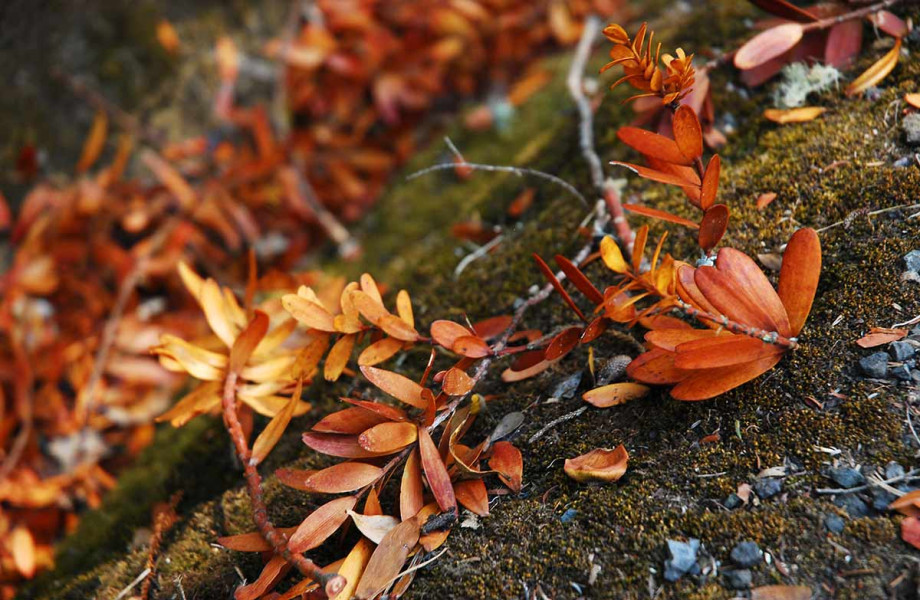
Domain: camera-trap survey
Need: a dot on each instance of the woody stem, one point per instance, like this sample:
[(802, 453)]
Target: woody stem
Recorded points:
[(769, 337), (331, 582), (856, 14)]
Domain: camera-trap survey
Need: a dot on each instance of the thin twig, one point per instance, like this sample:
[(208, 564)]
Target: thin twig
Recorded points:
[(909, 476), (910, 424), (850, 16), (871, 214), (332, 583), (476, 254), (131, 585), (337, 232), (519, 171), (566, 417)]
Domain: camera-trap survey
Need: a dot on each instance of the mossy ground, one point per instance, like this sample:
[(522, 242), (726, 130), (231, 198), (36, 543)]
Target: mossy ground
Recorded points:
[(836, 168)]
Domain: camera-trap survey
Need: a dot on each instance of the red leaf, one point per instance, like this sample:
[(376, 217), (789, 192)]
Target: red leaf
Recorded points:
[(659, 176), (713, 226), (652, 144), (750, 280), (333, 444), (798, 277), (722, 351), (343, 477), (472, 494), (594, 330), (507, 460), (709, 383), (563, 343), (579, 280), (350, 420), (411, 496), (320, 524), (785, 10), (687, 132), (551, 277), (890, 23), (436, 472), (843, 43), (493, 327), (471, 346), (768, 45), (710, 186), (660, 214)]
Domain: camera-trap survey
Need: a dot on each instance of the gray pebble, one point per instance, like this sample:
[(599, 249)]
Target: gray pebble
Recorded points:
[(901, 373), (740, 579), (901, 351), (733, 501), (747, 554), (834, 523), (855, 507), (893, 470), (768, 487), (682, 558), (567, 387), (875, 365), (613, 370), (912, 258), (846, 477)]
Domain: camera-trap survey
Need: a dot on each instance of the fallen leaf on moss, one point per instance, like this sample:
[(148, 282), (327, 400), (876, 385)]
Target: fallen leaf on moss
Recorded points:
[(781, 592), (910, 531), (598, 465), (908, 504), (765, 199), (794, 115), (879, 336), (912, 99), (614, 394), (877, 72)]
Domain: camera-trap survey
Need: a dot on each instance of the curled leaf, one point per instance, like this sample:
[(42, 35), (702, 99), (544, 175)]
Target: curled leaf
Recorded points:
[(598, 465), (877, 72)]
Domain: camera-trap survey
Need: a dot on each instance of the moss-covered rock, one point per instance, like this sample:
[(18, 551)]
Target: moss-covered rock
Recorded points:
[(831, 174)]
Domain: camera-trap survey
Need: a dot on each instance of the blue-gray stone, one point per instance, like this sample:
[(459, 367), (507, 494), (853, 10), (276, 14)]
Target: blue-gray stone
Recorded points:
[(893, 470), (875, 365), (846, 477), (568, 515), (834, 523), (733, 501), (900, 372), (855, 507), (567, 387), (901, 351), (768, 487), (740, 579), (747, 554), (881, 499), (912, 261), (682, 560)]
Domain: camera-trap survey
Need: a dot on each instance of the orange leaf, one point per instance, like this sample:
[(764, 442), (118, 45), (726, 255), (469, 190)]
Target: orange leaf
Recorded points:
[(781, 592), (687, 132), (713, 226), (471, 346), (659, 176), (750, 280), (380, 351), (333, 444), (246, 342), (275, 428), (167, 36), (803, 114), (598, 465), (708, 383), (353, 567), (310, 313), (710, 187), (337, 359), (765, 199), (456, 382), (910, 531), (660, 214), (250, 542), (387, 560), (343, 477), (511, 376), (95, 142), (656, 367), (493, 327), (878, 336), (669, 339), (170, 178), (653, 144), (436, 472), (507, 460), (912, 99), (614, 394), (908, 504), (445, 333), (396, 385), (22, 547), (388, 437), (320, 524), (798, 277), (768, 45), (877, 72), (350, 420), (411, 494), (722, 351), (271, 573), (472, 494), (397, 328)]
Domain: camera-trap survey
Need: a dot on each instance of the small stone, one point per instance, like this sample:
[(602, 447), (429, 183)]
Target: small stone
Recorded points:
[(740, 579), (768, 487), (893, 470), (846, 477), (911, 126), (914, 333), (912, 258), (881, 499), (747, 554), (901, 351), (834, 523), (682, 560), (915, 376), (875, 365), (855, 507), (901, 373), (733, 501), (567, 387), (613, 370), (568, 515)]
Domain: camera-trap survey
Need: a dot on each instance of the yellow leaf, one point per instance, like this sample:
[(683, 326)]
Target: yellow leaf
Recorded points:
[(877, 72)]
